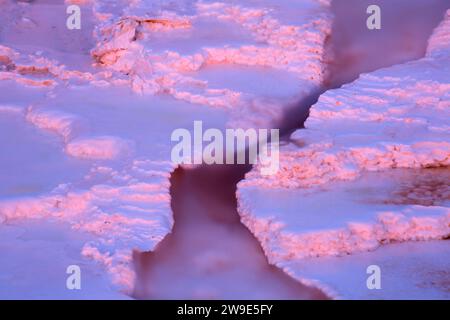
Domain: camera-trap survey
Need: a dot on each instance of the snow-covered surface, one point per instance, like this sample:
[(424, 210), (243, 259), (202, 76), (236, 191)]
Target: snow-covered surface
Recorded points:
[(409, 270), (87, 116), (35, 257), (197, 53), (371, 167)]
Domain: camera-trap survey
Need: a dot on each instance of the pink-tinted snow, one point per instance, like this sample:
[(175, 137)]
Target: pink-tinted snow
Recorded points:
[(93, 109)]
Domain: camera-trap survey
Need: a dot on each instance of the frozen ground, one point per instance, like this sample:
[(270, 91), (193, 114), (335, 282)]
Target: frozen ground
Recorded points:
[(87, 117), (370, 168), (409, 270)]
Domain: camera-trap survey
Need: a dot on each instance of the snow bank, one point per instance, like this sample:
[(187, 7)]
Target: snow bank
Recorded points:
[(128, 211), (168, 52), (127, 44), (349, 182), (121, 205)]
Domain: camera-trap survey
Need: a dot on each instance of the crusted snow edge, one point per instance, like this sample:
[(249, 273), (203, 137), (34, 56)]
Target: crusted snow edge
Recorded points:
[(354, 237), (267, 229), (124, 209), (113, 244)]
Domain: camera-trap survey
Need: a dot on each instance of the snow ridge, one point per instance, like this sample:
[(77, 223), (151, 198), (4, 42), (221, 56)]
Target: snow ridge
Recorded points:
[(124, 45)]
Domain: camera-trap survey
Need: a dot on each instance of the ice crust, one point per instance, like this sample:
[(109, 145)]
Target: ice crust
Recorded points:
[(105, 99), (370, 168), (125, 45)]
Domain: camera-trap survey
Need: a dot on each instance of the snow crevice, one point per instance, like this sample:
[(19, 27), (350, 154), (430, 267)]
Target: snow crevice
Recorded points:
[(388, 122)]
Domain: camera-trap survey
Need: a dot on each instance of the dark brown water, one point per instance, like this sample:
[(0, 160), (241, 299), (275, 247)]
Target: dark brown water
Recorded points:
[(209, 253), (353, 49), (406, 26)]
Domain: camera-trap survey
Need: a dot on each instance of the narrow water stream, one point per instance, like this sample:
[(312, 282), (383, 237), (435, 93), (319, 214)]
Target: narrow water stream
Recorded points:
[(209, 253)]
